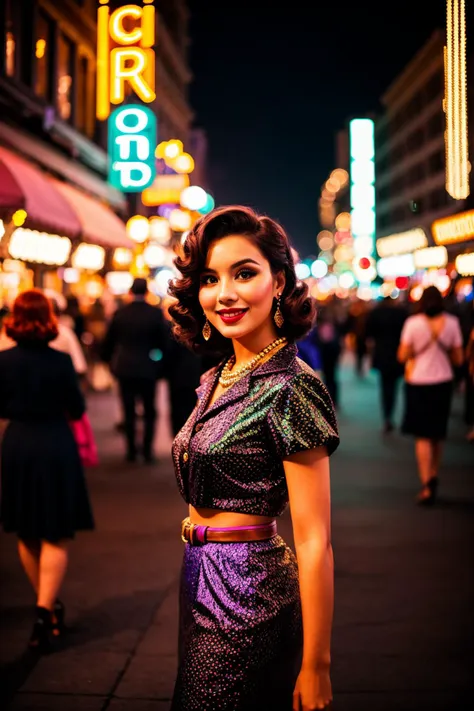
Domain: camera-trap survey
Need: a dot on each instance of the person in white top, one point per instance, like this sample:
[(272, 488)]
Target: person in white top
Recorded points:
[(430, 345)]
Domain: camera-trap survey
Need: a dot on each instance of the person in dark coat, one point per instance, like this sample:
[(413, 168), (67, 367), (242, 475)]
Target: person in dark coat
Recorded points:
[(182, 369), (134, 347), (44, 498), (383, 328)]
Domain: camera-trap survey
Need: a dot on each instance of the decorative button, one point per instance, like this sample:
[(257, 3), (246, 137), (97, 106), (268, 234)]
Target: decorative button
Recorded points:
[(198, 427), (185, 457)]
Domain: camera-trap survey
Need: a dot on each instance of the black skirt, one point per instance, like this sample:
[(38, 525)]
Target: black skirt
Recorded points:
[(427, 409), (43, 489)]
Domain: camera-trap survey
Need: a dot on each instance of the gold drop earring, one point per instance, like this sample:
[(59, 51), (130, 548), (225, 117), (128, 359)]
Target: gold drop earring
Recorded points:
[(278, 316), (206, 331)]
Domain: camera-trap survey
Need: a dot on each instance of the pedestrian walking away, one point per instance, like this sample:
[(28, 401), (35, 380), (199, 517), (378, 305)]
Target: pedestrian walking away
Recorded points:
[(44, 498), (133, 346), (255, 621), (430, 345)]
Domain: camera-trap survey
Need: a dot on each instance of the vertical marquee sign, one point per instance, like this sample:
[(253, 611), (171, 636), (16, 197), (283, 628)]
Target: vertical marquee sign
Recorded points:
[(125, 56)]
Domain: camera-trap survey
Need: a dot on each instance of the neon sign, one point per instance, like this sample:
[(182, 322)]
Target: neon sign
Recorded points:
[(132, 141), (131, 60), (126, 61), (362, 186)]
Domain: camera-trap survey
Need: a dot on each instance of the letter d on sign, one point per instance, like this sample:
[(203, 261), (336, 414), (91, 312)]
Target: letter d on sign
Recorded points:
[(132, 141)]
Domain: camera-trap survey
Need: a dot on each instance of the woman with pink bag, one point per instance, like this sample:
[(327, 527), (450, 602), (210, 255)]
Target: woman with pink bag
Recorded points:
[(44, 498)]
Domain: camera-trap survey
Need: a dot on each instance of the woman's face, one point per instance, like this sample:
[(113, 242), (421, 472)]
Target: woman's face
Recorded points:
[(237, 288)]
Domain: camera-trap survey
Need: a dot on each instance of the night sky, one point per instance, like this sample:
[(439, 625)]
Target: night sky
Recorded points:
[(274, 82)]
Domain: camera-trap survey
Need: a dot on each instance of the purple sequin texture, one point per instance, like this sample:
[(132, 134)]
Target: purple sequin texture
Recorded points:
[(240, 633), (229, 456), (240, 627)]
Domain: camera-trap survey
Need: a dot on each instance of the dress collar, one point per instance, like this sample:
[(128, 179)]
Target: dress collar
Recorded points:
[(276, 364)]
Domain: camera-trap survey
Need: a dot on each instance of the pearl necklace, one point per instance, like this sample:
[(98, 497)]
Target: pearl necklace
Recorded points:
[(228, 378)]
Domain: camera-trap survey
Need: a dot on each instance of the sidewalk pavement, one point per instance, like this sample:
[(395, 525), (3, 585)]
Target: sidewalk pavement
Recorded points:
[(403, 623)]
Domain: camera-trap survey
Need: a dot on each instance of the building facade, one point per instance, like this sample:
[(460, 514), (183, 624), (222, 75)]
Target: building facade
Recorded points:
[(53, 150), (410, 147)]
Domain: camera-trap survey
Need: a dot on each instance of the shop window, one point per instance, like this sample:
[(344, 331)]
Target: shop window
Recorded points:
[(43, 55), (65, 77), (82, 95)]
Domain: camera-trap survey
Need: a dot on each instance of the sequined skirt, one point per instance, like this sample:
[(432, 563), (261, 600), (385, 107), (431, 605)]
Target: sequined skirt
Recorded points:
[(240, 629)]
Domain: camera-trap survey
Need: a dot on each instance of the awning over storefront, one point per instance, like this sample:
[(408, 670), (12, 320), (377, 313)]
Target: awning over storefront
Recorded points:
[(99, 224), (67, 168), (23, 186)]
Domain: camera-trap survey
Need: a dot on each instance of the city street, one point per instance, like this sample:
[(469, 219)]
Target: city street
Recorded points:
[(403, 627)]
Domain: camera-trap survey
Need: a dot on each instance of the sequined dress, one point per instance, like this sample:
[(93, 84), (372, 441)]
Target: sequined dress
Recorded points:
[(240, 629)]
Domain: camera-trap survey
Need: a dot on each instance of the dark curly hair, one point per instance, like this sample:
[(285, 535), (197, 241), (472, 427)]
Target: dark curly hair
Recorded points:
[(297, 306), (32, 319)]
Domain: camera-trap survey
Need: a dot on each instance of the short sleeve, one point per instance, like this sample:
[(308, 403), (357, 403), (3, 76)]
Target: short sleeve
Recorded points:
[(457, 334), (406, 336), (302, 417)]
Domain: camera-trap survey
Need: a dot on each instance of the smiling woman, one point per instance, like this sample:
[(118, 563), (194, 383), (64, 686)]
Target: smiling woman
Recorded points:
[(259, 437), (233, 246)]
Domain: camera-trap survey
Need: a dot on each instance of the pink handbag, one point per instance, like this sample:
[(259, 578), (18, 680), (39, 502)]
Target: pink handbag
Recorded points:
[(85, 440)]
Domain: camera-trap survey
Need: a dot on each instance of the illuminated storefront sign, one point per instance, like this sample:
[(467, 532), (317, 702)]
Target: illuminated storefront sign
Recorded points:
[(362, 185), (465, 264), (131, 61), (126, 62), (449, 230), (431, 258), (401, 265), (165, 189), (132, 141), (402, 242), (39, 247)]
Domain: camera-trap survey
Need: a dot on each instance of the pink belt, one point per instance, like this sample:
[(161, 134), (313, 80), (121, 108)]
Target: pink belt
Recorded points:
[(198, 535)]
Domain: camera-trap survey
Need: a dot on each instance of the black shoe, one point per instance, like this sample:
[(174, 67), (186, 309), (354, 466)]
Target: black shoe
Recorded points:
[(427, 494), (388, 427), (131, 457), (149, 458), (41, 635), (57, 619)]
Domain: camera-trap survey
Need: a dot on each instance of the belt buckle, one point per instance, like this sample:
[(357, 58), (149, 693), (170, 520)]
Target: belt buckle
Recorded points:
[(187, 526)]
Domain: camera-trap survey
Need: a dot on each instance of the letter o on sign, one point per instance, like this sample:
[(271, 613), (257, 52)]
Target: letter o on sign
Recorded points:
[(140, 123)]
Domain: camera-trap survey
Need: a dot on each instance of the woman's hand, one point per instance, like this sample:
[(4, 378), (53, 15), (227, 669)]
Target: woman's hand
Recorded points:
[(312, 690)]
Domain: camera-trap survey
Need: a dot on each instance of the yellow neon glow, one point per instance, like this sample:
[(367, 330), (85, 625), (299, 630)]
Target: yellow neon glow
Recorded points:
[(117, 31), (148, 26), (455, 102), (121, 73), (183, 163), (40, 48), (173, 149), (19, 218), (102, 90)]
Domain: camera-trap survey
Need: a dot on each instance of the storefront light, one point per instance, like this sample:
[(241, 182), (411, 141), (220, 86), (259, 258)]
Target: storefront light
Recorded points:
[(71, 276), (154, 256), (19, 217), (39, 247), (193, 198), (465, 264), (123, 257), (160, 230), (138, 228), (431, 257), (401, 265), (180, 220), (119, 283), (88, 256)]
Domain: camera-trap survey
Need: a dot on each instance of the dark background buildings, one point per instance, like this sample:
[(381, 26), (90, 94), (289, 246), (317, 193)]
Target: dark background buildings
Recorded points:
[(273, 83)]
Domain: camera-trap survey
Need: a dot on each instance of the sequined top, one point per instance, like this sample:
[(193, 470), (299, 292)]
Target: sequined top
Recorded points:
[(230, 456)]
